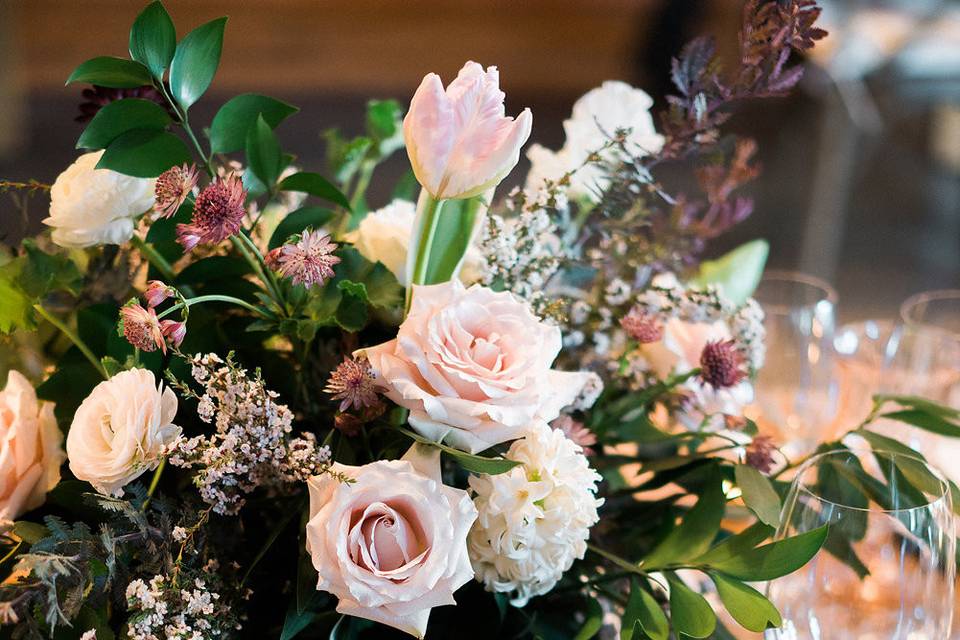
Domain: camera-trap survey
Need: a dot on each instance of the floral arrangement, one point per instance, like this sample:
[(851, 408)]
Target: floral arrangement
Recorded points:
[(264, 410)]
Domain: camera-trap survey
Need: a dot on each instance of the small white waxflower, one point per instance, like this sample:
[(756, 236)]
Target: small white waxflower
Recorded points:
[(534, 520)]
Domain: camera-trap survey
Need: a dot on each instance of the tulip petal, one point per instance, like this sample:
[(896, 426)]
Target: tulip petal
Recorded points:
[(429, 132)]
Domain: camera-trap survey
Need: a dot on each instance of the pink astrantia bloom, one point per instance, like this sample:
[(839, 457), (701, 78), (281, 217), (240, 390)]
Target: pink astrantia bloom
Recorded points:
[(157, 292), (352, 383), (174, 331), (576, 432), (459, 141), (141, 328), (308, 261), (172, 188), (722, 364), (643, 327), (217, 214)]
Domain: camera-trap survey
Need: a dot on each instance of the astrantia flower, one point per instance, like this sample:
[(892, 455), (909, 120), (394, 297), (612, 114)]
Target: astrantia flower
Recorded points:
[(217, 214), (759, 454), (577, 432), (174, 331), (721, 364), (172, 188), (141, 328), (352, 383), (308, 261), (641, 326), (535, 519), (157, 292)]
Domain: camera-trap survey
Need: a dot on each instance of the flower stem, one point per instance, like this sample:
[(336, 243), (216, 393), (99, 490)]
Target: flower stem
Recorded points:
[(252, 254), (154, 482), (189, 302), (74, 338), (617, 560), (428, 217), (153, 256), (363, 181)]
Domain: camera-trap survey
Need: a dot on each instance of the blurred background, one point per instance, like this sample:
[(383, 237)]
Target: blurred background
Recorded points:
[(861, 181)]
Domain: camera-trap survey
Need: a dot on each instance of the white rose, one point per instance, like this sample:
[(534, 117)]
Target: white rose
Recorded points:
[(678, 352), (392, 544), (384, 236), (30, 448), (596, 117), (473, 366), (122, 429), (90, 206)]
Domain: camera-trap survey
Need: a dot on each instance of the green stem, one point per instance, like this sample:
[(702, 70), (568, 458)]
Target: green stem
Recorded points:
[(428, 214), (617, 560), (182, 117), (153, 256), (189, 302), (363, 181), (154, 482), (74, 338), (245, 245)]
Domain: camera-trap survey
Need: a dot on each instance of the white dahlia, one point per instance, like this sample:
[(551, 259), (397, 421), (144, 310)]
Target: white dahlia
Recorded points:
[(535, 519)]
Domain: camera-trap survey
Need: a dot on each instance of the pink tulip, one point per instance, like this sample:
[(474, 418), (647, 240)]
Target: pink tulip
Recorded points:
[(459, 141)]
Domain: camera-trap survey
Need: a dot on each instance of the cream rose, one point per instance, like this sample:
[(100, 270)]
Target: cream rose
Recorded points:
[(392, 544), (473, 366), (90, 206), (123, 428), (384, 236), (31, 448)]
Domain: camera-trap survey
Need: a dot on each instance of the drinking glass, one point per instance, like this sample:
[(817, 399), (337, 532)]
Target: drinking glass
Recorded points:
[(887, 568), (796, 397), (928, 354)]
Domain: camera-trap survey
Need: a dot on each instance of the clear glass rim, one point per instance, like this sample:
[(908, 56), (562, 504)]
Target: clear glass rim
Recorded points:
[(909, 308), (816, 459), (825, 289)]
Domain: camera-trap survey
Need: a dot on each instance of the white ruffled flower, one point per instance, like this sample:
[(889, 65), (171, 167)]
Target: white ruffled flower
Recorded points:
[(384, 235), (90, 206), (595, 119), (534, 520)]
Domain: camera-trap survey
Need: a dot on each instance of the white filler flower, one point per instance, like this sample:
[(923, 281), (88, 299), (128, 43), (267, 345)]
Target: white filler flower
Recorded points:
[(535, 519)]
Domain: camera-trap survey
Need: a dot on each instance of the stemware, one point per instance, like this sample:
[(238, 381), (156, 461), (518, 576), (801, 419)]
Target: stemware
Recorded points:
[(796, 397), (927, 357), (887, 568)]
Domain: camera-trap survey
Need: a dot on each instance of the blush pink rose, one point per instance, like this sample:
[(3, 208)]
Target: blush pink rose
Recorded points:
[(31, 450), (392, 544), (473, 366)]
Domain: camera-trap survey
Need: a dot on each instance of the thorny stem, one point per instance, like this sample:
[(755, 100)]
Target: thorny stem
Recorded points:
[(74, 338)]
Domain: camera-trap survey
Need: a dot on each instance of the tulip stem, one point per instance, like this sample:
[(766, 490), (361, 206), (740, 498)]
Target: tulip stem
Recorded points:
[(428, 213), (74, 338)]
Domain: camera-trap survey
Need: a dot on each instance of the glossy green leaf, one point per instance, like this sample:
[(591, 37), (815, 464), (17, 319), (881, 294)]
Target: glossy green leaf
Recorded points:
[(695, 532), (922, 404), (298, 221), (471, 462), (737, 273), (593, 623), (153, 39), (746, 605), (228, 132), (735, 545), (758, 494), (263, 152), (926, 420), (315, 185), (352, 314), (119, 117), (643, 613), (385, 126), (195, 62), (772, 560), (144, 153), (116, 73), (690, 613)]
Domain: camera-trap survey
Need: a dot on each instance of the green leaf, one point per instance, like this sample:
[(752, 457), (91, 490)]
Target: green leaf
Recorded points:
[(746, 605), (469, 461), (695, 532), (295, 622), (351, 313), (30, 532), (737, 273), (923, 404), (926, 420), (690, 612), (116, 73), (297, 222), (213, 268), (643, 612), (153, 39), (345, 156), (41, 273), (772, 560), (594, 622), (758, 494), (315, 185), (455, 231), (735, 545), (263, 152), (228, 131), (119, 117), (144, 153), (385, 126), (111, 365), (195, 62), (16, 312)]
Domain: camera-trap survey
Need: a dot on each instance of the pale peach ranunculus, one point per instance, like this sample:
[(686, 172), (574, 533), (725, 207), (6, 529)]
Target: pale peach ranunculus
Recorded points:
[(122, 429), (459, 141), (473, 366), (31, 449), (391, 544)]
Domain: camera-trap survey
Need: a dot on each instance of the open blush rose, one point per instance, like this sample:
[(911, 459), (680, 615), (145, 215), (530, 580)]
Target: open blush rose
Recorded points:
[(31, 448), (473, 366), (391, 544)]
